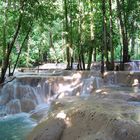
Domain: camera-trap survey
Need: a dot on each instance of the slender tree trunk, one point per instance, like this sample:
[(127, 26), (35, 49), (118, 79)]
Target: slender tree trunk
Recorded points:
[(9, 49), (132, 45), (67, 34), (82, 58), (126, 56), (81, 62), (91, 37), (28, 57), (124, 14), (79, 67), (95, 53), (19, 53), (82, 47), (104, 44), (52, 46), (4, 42), (71, 35), (105, 30), (111, 35), (105, 35), (132, 38), (90, 55)]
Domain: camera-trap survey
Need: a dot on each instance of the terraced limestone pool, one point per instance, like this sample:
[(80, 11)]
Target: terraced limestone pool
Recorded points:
[(27, 93)]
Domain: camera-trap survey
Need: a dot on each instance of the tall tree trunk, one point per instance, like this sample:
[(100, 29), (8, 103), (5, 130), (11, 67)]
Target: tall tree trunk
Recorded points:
[(67, 34), (104, 44), (126, 56), (90, 55), (9, 49), (105, 30), (4, 37), (52, 45), (71, 36), (105, 35), (28, 57), (81, 62), (124, 14), (19, 53), (91, 37), (133, 30), (82, 58), (132, 45), (111, 35), (94, 55), (79, 67)]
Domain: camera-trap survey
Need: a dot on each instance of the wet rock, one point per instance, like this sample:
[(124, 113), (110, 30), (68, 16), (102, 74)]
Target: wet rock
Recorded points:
[(134, 97), (50, 130), (56, 105), (6, 94), (13, 107), (27, 104), (124, 78), (93, 118)]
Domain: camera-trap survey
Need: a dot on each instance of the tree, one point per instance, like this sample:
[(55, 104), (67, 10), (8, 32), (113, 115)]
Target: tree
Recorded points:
[(111, 35), (122, 19), (89, 28), (104, 45), (16, 13), (91, 37)]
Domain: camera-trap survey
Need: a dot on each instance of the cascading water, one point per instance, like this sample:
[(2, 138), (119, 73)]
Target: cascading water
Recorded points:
[(131, 66), (33, 94), (25, 94), (90, 84), (16, 127), (18, 97)]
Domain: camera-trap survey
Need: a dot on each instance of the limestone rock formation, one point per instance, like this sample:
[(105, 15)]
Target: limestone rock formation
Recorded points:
[(90, 118), (27, 105), (52, 131)]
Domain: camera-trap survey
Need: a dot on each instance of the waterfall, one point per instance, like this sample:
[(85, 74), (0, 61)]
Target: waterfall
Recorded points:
[(13, 106), (131, 66), (3, 111), (17, 97), (90, 85), (32, 93)]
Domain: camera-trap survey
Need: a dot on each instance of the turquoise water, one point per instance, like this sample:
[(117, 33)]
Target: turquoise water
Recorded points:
[(16, 127)]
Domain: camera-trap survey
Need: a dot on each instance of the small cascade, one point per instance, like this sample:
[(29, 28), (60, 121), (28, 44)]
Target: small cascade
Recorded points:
[(110, 78), (90, 85), (13, 106), (17, 97), (38, 97), (3, 111), (131, 66), (32, 93)]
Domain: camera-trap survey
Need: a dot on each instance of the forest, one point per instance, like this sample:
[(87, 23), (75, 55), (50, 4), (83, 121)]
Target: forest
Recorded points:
[(33, 32)]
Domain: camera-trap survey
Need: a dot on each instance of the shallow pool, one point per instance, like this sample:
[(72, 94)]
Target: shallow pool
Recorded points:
[(16, 127)]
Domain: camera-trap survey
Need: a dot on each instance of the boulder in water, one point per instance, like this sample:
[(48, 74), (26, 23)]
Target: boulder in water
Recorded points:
[(52, 131), (27, 105), (13, 106)]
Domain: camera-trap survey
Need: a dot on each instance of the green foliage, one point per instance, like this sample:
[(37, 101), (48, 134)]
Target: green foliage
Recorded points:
[(47, 16)]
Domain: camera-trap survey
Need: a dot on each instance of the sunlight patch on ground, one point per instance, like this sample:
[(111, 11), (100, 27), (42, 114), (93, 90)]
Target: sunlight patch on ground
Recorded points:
[(98, 90), (61, 115)]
